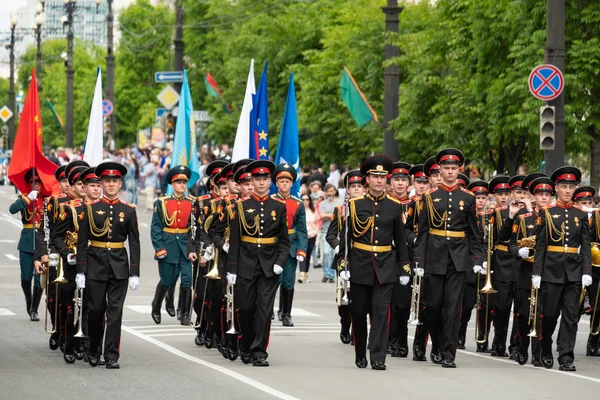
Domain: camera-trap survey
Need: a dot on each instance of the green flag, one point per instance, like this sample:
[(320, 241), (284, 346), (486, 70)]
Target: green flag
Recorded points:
[(355, 100)]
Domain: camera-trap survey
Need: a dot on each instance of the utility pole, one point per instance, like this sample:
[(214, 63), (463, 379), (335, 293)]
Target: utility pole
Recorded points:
[(39, 21), (11, 88), (391, 80), (178, 40), (555, 54), (110, 68), (70, 8)]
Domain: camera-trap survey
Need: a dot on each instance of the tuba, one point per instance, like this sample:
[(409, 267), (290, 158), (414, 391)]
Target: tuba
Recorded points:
[(595, 254)]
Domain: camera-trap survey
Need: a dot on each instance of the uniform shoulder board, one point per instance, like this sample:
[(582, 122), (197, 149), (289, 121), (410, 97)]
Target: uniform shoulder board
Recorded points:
[(405, 202), (395, 200), (467, 191), (190, 197), (59, 196), (128, 204), (417, 198), (356, 198), (215, 200), (577, 206), (501, 208), (296, 198), (547, 207), (232, 197), (525, 215), (204, 197), (275, 196), (431, 190), (162, 198), (93, 202), (75, 202)]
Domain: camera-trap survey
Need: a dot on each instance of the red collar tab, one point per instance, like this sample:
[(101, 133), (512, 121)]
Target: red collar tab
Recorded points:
[(564, 205), (447, 188), (258, 198), (109, 201)]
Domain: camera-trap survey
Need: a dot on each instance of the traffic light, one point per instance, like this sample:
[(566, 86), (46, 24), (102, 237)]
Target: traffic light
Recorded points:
[(170, 126), (547, 127)]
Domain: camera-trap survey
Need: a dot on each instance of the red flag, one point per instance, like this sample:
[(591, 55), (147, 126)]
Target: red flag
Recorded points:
[(27, 149)]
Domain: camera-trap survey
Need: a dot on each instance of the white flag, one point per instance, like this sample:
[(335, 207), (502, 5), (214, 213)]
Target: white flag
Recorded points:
[(241, 146), (93, 152)]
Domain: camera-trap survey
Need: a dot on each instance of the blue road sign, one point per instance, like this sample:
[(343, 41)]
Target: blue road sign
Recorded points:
[(546, 82), (168, 76), (158, 115)]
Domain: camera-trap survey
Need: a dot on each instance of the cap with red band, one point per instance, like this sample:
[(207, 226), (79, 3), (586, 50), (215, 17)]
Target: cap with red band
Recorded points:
[(541, 184), (584, 193), (566, 175), (478, 187), (499, 183)]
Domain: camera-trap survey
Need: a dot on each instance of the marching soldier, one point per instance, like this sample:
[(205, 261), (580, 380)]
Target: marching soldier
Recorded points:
[(463, 181), (400, 307), (375, 222), (448, 230), (432, 170), (480, 190), (31, 207), (354, 188), (259, 246), (503, 267), (411, 229), (64, 240), (243, 178), (522, 243), (171, 239), (562, 265), (585, 195), (284, 177), (104, 267)]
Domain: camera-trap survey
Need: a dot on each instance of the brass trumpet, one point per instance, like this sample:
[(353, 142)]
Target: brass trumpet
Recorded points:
[(487, 287), (595, 254), (528, 242), (414, 301), (78, 312), (214, 271), (533, 302)]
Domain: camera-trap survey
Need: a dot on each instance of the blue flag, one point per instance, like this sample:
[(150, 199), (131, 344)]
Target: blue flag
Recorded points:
[(259, 120), (288, 149), (184, 146)]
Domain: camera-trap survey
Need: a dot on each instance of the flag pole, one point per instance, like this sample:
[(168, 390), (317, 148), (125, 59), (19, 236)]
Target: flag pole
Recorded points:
[(33, 144)]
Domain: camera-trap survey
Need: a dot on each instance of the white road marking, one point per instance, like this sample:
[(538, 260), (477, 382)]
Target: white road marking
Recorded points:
[(7, 241), (10, 219), (190, 334), (11, 257), (235, 375), (5, 312), (141, 309), (299, 312), (145, 225)]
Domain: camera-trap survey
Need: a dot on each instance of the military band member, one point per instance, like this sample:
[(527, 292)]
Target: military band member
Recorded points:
[(284, 177), (400, 308), (173, 246), (411, 229), (31, 207), (504, 272), (64, 240), (259, 246), (523, 231), (448, 230), (375, 223), (104, 267), (432, 170), (562, 265), (463, 181), (243, 178), (480, 190), (354, 188), (585, 195)]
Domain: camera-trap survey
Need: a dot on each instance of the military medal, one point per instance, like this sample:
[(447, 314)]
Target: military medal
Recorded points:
[(274, 215), (576, 221), (461, 205), (121, 216)]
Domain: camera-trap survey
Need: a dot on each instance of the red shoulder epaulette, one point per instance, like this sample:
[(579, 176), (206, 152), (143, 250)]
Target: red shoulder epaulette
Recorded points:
[(416, 198), (525, 215), (205, 197), (92, 202), (127, 204), (467, 191), (431, 190)]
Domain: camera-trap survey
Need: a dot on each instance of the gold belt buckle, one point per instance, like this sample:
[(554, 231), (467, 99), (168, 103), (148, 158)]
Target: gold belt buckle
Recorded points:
[(258, 240), (107, 245), (447, 234), (566, 248), (374, 249)]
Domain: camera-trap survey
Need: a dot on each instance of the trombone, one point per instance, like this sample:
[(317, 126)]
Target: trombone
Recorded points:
[(230, 350), (595, 331), (52, 262), (487, 287)]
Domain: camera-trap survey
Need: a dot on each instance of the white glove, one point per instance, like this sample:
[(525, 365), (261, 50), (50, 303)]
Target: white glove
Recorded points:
[(419, 271), (345, 275), (231, 278), (524, 252), (277, 269), (414, 240), (80, 280), (404, 280), (72, 259), (134, 282), (300, 258), (477, 269), (210, 253), (162, 256), (32, 195), (536, 281), (484, 268), (337, 249), (53, 259), (226, 247), (586, 280)]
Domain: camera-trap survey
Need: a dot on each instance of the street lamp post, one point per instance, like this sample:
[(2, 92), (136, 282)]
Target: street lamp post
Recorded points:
[(68, 21), (11, 88), (110, 66), (39, 21)]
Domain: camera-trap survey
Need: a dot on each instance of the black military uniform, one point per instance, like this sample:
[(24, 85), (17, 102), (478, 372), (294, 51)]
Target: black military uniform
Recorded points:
[(378, 256), (562, 259), (336, 230), (107, 224), (470, 288), (448, 230), (524, 226), (504, 270), (401, 297), (64, 240), (259, 241), (585, 194)]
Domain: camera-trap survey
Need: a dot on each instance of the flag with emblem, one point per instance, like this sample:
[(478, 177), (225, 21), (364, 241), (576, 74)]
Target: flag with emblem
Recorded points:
[(213, 90), (184, 146), (355, 100), (259, 122), (288, 148), (27, 148)]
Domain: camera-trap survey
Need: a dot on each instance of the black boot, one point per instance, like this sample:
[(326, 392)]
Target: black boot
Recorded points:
[(461, 343), (35, 303), (280, 309), (159, 295), (169, 301), (179, 307), (26, 286), (288, 298), (185, 294)]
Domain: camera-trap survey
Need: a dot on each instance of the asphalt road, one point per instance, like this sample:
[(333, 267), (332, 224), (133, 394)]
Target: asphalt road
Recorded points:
[(307, 361)]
